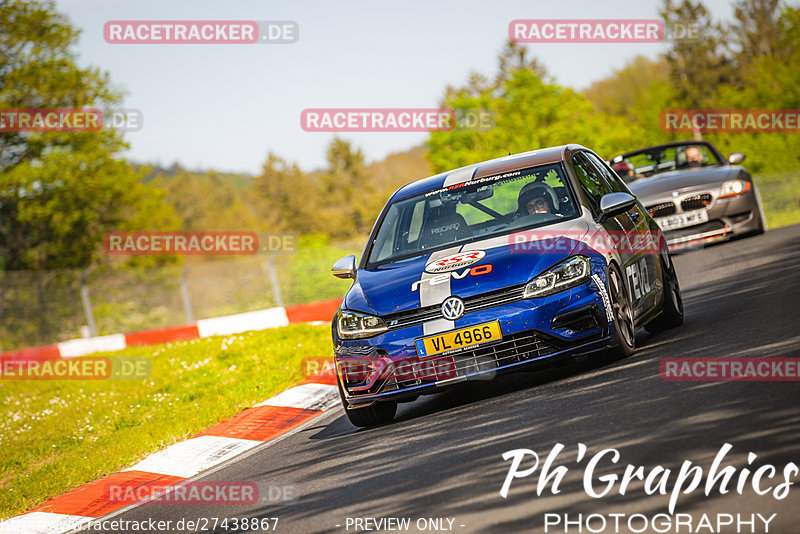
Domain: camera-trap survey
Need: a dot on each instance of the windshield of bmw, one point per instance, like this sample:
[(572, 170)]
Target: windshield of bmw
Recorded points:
[(652, 161), (471, 210)]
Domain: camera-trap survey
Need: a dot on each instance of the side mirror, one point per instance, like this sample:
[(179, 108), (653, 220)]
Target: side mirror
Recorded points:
[(736, 158), (615, 203), (345, 267)]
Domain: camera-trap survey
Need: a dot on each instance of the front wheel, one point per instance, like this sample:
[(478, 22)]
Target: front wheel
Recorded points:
[(762, 222), (762, 218), (377, 414), (672, 307), (623, 315)]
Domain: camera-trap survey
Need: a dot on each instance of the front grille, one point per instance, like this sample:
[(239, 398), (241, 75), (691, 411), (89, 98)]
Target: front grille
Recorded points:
[(696, 202), (471, 304), (512, 349), (661, 210)]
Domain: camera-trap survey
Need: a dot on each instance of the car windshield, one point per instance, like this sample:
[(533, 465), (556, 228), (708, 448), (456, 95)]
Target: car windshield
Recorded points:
[(656, 160), (471, 210)]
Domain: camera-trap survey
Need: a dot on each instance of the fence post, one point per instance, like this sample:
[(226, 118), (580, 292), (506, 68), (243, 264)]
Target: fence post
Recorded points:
[(87, 305), (269, 265), (187, 303)]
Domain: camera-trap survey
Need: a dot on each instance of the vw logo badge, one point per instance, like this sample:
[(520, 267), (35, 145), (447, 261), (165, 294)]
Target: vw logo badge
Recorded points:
[(452, 308)]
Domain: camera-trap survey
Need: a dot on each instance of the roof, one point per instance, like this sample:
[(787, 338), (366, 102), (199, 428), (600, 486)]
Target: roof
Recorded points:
[(486, 168)]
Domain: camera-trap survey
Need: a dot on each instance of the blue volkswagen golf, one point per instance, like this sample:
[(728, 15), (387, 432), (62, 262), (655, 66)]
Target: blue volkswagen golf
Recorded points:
[(494, 266)]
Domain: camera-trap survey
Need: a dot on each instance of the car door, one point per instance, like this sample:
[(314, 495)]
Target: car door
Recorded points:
[(620, 227), (643, 272)]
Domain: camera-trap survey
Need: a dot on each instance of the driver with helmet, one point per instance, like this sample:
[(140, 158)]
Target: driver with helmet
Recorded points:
[(536, 198)]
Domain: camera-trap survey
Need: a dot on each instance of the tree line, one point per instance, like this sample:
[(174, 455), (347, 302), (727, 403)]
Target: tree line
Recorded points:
[(60, 192)]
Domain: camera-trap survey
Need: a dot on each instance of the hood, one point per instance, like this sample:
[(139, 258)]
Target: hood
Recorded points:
[(682, 180), (405, 284)]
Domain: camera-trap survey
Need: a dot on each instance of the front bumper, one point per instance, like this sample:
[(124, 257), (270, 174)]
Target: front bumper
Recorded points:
[(543, 330), (727, 218)]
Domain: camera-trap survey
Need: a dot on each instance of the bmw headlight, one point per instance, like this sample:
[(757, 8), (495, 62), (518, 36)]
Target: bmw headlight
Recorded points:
[(354, 325), (732, 188), (571, 272)]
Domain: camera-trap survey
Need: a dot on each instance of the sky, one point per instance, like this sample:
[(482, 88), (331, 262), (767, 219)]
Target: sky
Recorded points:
[(226, 106)]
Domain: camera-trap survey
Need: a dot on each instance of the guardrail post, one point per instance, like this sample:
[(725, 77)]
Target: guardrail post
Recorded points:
[(87, 305), (269, 266), (187, 303)]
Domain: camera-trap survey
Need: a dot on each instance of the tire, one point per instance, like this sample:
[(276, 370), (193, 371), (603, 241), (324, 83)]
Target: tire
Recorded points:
[(623, 315), (377, 414), (671, 315), (762, 218), (762, 225)]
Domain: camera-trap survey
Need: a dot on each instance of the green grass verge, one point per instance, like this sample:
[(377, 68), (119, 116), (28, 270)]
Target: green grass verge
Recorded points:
[(780, 195), (59, 434), (308, 275)]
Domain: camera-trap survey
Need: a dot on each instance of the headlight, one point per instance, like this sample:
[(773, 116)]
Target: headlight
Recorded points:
[(353, 325), (732, 188), (569, 273)]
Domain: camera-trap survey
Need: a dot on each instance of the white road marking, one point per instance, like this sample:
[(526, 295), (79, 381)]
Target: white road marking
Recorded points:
[(306, 396), (243, 322), (80, 347), (187, 458)]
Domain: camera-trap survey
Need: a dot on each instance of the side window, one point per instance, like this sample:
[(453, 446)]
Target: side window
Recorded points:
[(617, 185), (387, 234), (416, 222), (393, 241), (591, 183)]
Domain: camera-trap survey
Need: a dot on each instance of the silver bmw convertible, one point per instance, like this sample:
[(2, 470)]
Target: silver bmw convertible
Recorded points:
[(694, 194)]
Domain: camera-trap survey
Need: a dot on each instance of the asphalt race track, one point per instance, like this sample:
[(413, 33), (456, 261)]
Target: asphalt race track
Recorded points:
[(443, 456)]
